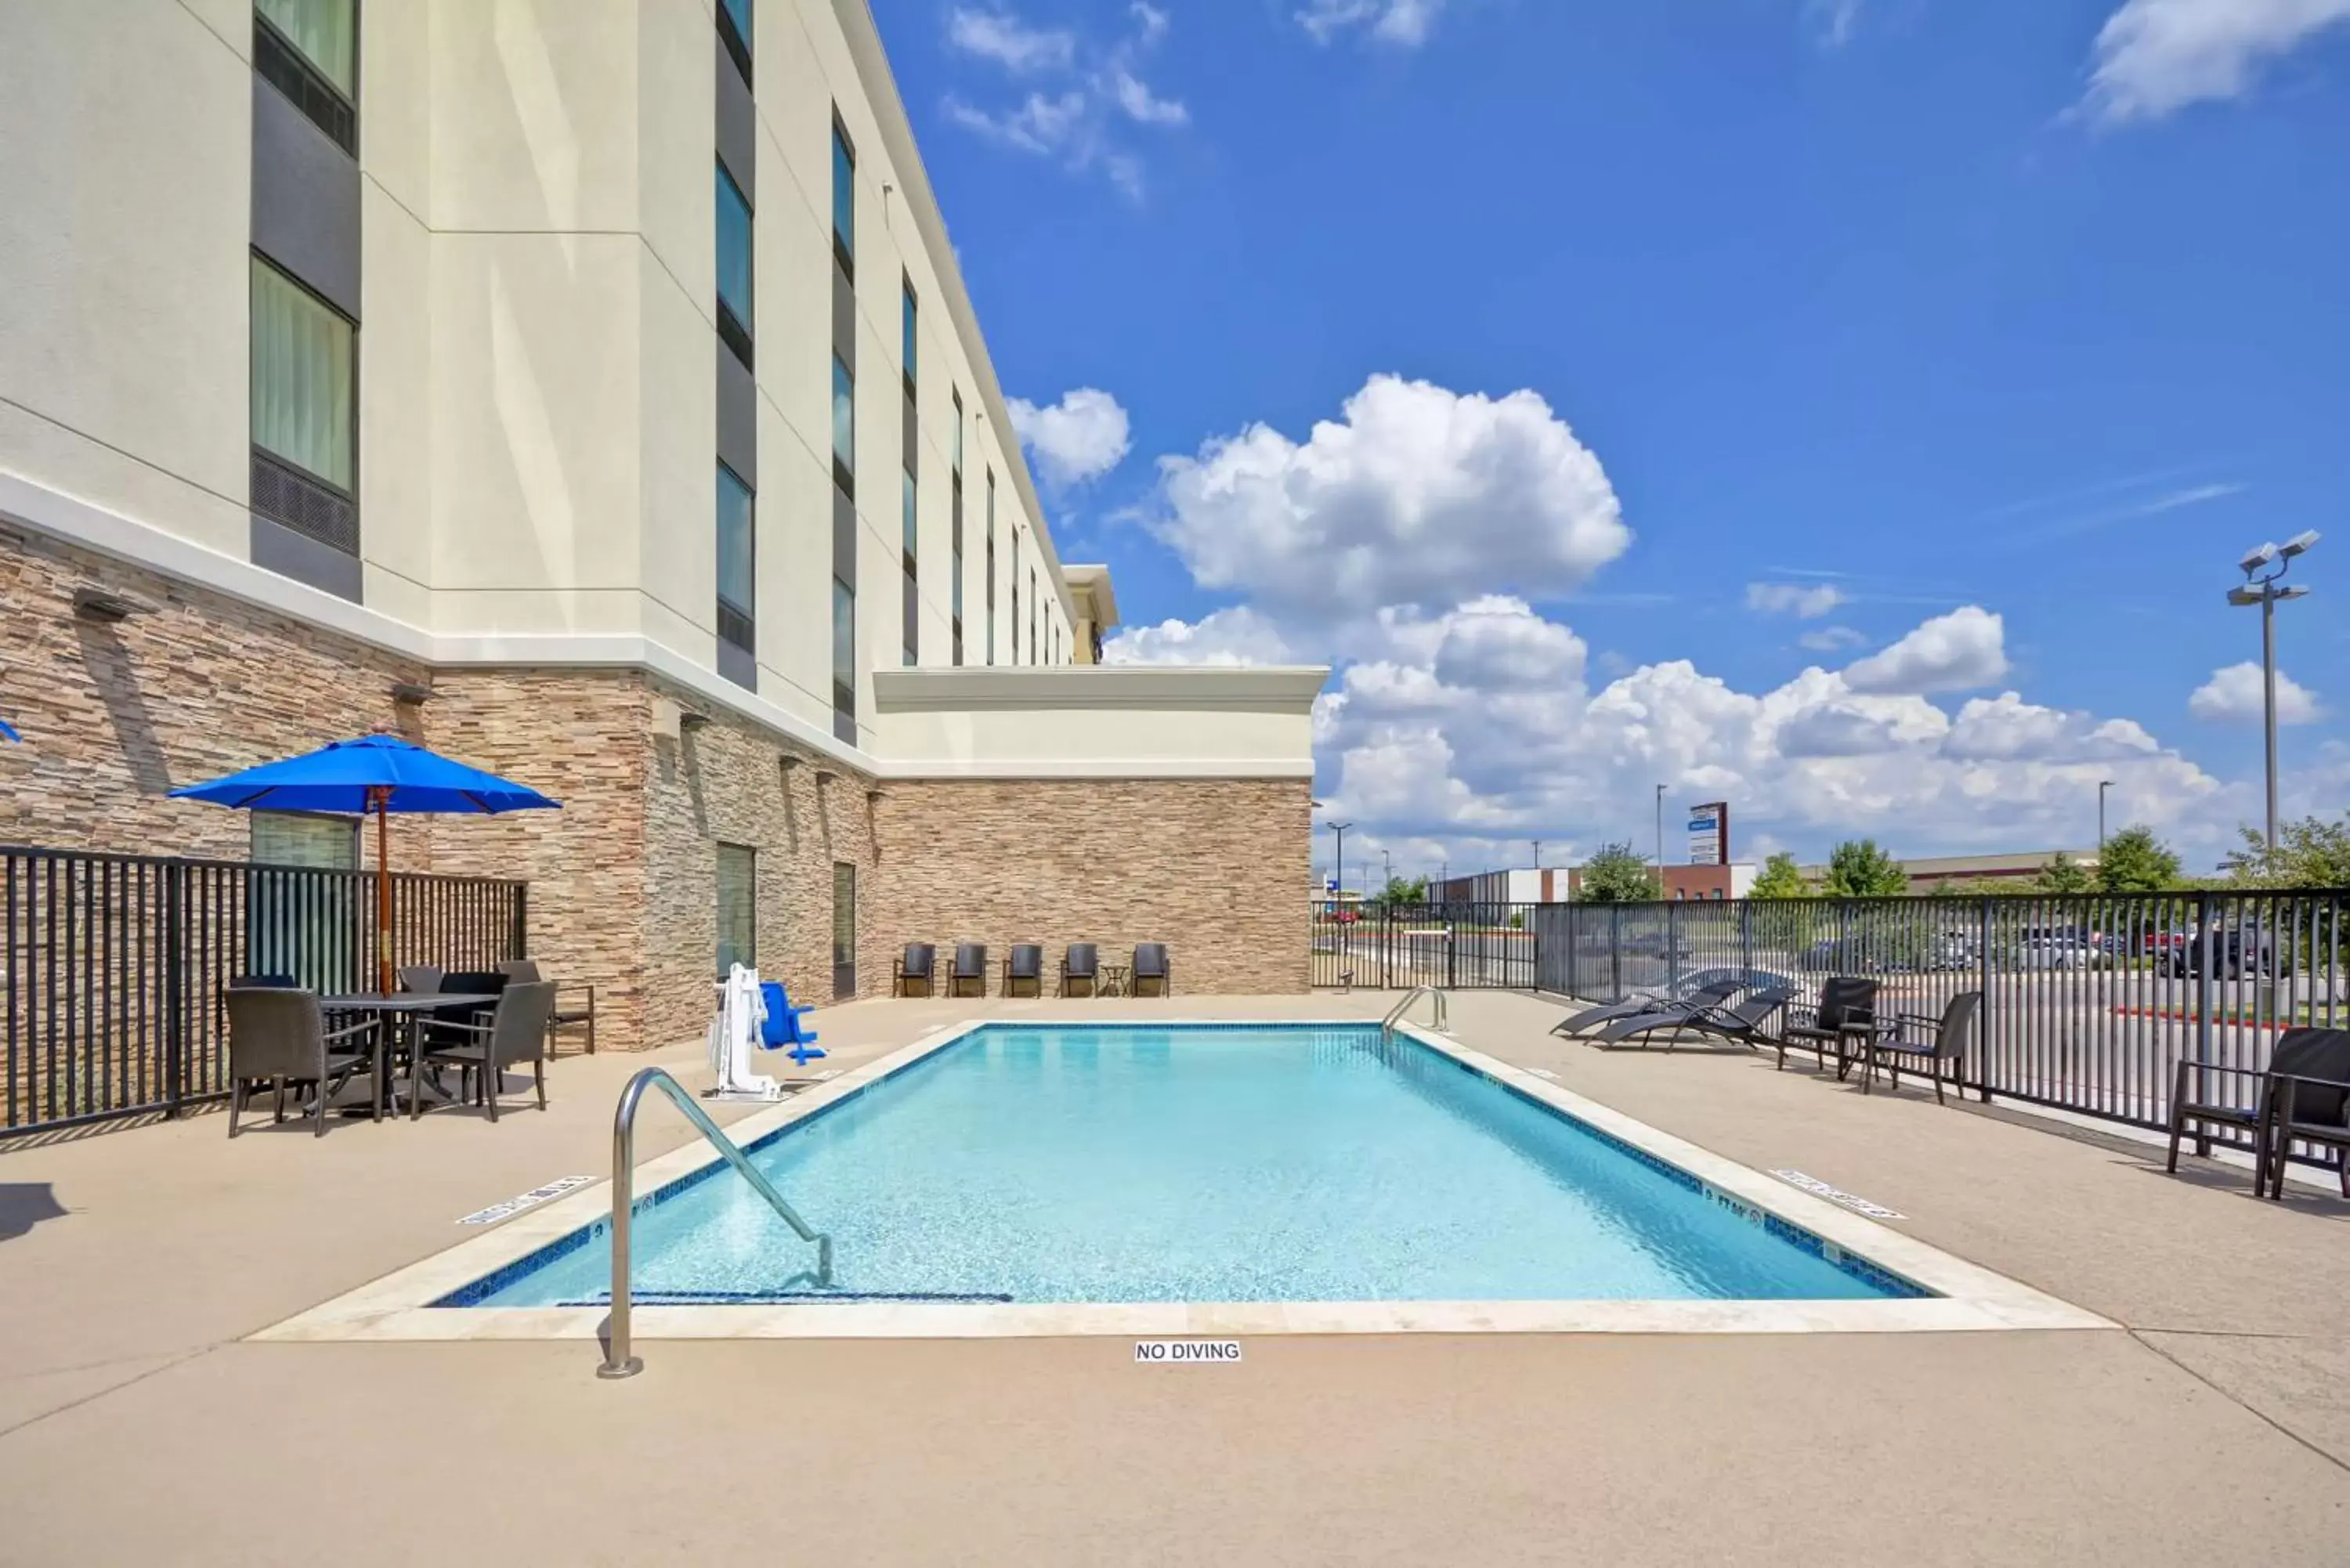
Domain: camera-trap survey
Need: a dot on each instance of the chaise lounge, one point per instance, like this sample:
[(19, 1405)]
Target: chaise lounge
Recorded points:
[(1698, 991)]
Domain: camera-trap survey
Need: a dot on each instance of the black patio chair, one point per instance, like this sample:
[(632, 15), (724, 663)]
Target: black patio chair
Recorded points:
[(1919, 1039), (1025, 966), (1709, 991), (277, 1035), (1848, 1010), (2245, 1099), (2315, 1107), (518, 971), (516, 1034), (1080, 966), (970, 968), (1152, 968), (917, 966), (422, 979)]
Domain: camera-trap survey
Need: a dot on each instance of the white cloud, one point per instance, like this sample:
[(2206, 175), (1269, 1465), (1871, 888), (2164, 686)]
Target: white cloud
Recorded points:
[(1804, 601), (1141, 104), (1040, 124), (1238, 636), (2153, 56), (1080, 438), (1418, 495), (1949, 653), (1831, 639), (1834, 20), (2234, 696), (1000, 36), (1403, 22), (1151, 19)]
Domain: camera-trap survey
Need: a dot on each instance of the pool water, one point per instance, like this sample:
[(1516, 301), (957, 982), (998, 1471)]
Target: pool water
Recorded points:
[(1200, 1164)]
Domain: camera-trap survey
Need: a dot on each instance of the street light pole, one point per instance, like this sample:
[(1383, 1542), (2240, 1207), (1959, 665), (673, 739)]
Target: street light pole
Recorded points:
[(1340, 875), (2103, 785), (1660, 834), (2264, 571)]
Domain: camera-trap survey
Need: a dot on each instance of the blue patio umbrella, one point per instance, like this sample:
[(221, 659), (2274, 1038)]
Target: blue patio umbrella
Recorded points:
[(376, 774)]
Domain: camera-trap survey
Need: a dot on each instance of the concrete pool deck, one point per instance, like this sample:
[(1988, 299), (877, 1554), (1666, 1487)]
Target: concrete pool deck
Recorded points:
[(137, 1421)]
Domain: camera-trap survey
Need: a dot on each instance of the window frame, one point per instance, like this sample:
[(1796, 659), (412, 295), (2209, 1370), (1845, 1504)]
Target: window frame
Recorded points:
[(348, 492), (747, 953), (737, 35), (844, 398), (843, 198), (747, 613), (286, 66), (739, 332)]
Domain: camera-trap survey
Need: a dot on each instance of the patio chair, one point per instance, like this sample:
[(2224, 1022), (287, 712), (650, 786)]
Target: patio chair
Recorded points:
[(262, 983), (1919, 1039), (1024, 966), (571, 1017), (1742, 1024), (2200, 1093), (2313, 1106), (970, 968), (278, 1035), (1080, 966), (1847, 1007), (919, 967), (1708, 993), (421, 979), (516, 1034), (1151, 969)]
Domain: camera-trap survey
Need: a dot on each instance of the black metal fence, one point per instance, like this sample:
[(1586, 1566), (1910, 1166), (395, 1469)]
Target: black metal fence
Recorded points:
[(114, 965), (2090, 1001)]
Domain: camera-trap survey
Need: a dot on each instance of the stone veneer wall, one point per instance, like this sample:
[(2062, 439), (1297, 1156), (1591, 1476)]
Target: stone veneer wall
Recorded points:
[(1216, 869)]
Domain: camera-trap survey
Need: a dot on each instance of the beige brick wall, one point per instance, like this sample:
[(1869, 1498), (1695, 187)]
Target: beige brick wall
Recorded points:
[(1211, 866)]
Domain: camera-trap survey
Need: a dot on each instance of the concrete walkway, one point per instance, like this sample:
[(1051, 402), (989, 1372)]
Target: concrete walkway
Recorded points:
[(135, 1427)]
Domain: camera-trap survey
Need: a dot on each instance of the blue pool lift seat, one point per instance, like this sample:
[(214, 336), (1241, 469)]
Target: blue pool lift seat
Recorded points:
[(783, 1027)]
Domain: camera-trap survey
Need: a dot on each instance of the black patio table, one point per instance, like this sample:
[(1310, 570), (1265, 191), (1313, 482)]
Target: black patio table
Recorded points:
[(394, 1010)]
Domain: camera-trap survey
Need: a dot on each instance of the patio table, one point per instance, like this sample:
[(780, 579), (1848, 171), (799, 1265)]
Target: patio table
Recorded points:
[(1113, 980), (395, 1010)]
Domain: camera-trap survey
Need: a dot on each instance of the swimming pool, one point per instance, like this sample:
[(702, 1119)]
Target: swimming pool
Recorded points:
[(1228, 1164)]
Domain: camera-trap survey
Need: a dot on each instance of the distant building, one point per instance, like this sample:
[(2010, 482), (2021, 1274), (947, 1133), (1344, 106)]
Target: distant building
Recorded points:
[(2022, 865), (1562, 884)]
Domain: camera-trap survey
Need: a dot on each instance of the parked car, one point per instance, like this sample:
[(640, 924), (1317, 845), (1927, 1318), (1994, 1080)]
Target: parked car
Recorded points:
[(2059, 947), (2239, 951)]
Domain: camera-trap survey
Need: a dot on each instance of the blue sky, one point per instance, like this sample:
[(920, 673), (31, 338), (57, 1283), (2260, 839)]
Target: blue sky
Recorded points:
[(1743, 395)]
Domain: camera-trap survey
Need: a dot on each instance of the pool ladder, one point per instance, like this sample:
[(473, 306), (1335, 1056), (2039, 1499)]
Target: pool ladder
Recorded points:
[(1440, 1019), (619, 1361)]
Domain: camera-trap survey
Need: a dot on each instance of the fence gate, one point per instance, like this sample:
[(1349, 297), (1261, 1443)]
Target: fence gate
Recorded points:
[(1385, 947)]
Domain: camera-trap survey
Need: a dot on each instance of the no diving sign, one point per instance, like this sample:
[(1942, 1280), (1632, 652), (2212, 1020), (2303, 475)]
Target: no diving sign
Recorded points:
[(1188, 1350)]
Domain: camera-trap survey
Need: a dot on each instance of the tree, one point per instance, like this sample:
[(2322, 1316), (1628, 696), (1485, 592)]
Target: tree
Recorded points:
[(2063, 875), (1617, 876), (1781, 880), (1399, 891), (2135, 861), (2310, 853), (1858, 869)]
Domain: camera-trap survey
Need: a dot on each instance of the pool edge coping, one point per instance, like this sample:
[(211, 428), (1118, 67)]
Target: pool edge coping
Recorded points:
[(396, 1307)]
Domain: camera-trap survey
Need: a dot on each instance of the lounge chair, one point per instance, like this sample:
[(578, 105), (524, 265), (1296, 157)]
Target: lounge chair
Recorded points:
[(1151, 969), (920, 966), (565, 1017), (1025, 966), (1847, 1009), (970, 968), (2200, 1093), (278, 1036), (1706, 992), (2313, 1106), (1918, 1039), (1080, 966), (1742, 1024), (516, 1034)]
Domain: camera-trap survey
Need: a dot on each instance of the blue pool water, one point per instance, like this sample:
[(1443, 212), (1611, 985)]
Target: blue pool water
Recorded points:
[(1205, 1163)]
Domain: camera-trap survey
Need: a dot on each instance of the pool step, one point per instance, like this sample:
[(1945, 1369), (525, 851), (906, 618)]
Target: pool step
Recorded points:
[(782, 1298)]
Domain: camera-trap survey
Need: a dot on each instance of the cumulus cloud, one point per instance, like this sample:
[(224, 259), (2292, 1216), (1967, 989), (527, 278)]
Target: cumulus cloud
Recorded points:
[(1831, 639), (1090, 93), (1417, 495), (1404, 22), (2234, 696), (2153, 56), (1000, 36), (1237, 636), (1952, 652), (1080, 438), (1804, 601)]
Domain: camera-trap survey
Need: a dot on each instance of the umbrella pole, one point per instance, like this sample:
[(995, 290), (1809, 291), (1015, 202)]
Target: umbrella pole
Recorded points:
[(383, 890)]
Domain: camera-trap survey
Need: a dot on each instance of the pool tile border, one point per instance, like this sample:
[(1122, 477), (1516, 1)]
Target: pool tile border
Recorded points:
[(1966, 1297)]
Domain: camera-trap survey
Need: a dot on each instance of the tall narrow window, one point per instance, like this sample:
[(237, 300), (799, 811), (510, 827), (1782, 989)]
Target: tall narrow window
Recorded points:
[(738, 908), (955, 567), (1033, 602), (843, 426), (912, 594), (844, 200), (991, 565), (733, 266), (734, 32), (844, 652), (308, 51), (737, 562), (844, 929), (302, 411), (1015, 597), (906, 330)]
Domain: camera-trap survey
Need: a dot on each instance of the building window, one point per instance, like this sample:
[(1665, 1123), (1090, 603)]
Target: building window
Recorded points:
[(844, 200), (844, 929), (734, 32), (913, 599), (991, 565), (1033, 602), (737, 562), (907, 332), (843, 426), (954, 447), (844, 650), (738, 908), (303, 410), (305, 838), (955, 568), (1015, 599), (308, 51), (733, 266)]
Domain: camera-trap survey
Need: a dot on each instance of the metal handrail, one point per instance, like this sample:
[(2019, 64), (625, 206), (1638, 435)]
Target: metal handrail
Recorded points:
[(1441, 1020), (617, 1360)]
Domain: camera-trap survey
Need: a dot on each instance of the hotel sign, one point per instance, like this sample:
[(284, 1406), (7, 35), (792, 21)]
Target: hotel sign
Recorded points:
[(1709, 831)]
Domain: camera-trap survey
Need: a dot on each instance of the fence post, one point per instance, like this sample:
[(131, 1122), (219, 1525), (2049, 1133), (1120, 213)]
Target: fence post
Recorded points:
[(2205, 933), (175, 1002), (1746, 935), (1615, 952), (519, 938), (1989, 1013), (1672, 950), (1451, 940)]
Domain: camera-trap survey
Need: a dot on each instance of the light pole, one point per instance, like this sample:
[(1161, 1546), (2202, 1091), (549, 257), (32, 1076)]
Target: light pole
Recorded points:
[(1537, 854), (1660, 834), (2264, 571), (1339, 875), (2103, 785), (1389, 881)]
